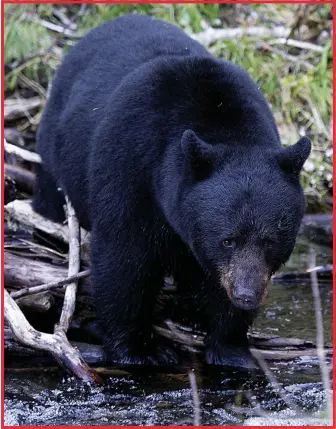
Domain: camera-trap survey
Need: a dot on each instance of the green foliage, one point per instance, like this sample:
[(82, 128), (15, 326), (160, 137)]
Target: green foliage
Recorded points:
[(300, 99)]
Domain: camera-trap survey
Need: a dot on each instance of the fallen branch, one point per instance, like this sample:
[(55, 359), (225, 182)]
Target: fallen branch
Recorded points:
[(324, 273), (195, 397), (62, 17), (24, 154), (45, 287), (69, 303), (34, 247), (18, 108), (295, 59), (94, 354), (274, 382), (56, 344), (24, 179), (273, 348), (319, 333), (297, 44), (26, 273), (211, 35), (22, 212), (59, 29)]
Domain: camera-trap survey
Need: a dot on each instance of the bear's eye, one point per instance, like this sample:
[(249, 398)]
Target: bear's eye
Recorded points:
[(228, 242)]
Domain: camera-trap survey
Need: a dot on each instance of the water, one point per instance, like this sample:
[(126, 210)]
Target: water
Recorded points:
[(228, 397)]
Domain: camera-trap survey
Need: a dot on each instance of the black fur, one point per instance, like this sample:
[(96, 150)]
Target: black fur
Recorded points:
[(173, 160)]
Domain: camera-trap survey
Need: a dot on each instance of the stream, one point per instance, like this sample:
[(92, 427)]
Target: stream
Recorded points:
[(228, 397)]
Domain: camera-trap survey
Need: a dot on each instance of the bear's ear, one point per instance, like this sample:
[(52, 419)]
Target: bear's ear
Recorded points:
[(199, 154), (292, 158)]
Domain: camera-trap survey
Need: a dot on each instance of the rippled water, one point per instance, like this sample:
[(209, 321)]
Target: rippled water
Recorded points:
[(228, 397)]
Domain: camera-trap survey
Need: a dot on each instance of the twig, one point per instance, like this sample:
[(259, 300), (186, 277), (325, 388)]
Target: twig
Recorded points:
[(59, 29), (37, 289), (22, 153), (22, 212), (189, 342), (319, 332), (318, 120), (74, 266), (33, 245), (272, 349), (272, 379), (297, 44), (195, 397), (31, 84), (29, 57), (212, 35), (62, 17), (22, 272), (267, 47), (18, 108), (56, 343)]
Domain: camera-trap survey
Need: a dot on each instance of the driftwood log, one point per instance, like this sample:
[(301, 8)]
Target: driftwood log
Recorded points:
[(56, 343), (270, 348), (24, 277), (18, 108), (24, 179), (36, 277), (10, 189)]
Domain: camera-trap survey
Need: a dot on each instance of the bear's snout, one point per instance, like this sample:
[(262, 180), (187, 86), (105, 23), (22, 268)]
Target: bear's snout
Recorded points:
[(249, 292), (246, 284), (244, 298)]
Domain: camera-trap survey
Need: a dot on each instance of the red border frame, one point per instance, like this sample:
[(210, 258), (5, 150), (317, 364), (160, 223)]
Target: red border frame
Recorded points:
[(3, 2)]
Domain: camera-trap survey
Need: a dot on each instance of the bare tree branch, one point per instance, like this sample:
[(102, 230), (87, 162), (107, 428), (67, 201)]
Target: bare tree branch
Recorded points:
[(74, 266), (195, 397), (57, 344), (211, 35), (319, 332), (22, 153), (37, 289)]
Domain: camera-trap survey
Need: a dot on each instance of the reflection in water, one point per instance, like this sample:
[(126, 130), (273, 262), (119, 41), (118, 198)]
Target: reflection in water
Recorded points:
[(227, 397)]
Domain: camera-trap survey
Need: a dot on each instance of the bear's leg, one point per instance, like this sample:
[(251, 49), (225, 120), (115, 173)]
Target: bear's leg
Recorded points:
[(226, 342), (127, 277), (48, 200), (190, 281)]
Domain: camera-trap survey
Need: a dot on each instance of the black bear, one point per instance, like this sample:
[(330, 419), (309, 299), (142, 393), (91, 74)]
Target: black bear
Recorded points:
[(172, 159)]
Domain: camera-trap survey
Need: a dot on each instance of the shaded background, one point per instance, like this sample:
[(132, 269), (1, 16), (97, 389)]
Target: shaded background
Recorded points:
[(296, 80)]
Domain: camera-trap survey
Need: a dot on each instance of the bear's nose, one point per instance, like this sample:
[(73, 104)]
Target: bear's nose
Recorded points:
[(245, 299)]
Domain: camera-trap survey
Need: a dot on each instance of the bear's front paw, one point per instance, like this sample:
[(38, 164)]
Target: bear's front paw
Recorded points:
[(122, 355), (232, 356), (165, 355), (157, 355)]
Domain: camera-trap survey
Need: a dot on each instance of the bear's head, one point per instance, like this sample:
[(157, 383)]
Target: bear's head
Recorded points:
[(242, 210)]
